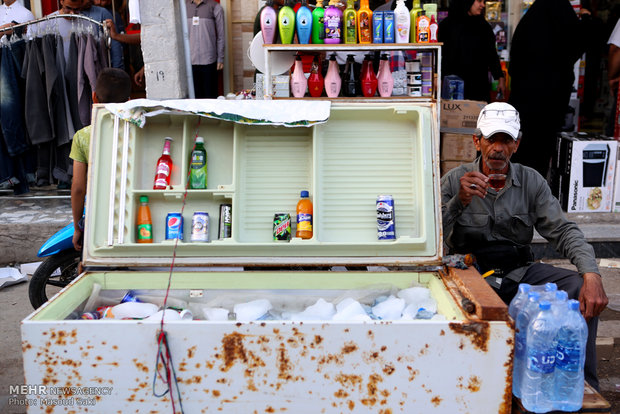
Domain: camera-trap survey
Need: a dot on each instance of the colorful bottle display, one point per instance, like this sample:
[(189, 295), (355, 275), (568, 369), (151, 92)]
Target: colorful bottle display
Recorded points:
[(368, 78), (333, 23), (333, 82), (198, 166), (403, 21), (349, 17), (384, 77), (286, 23), (299, 83), (315, 80), (304, 216), (303, 24), (318, 28), (364, 23), (268, 22), (144, 223), (163, 169)]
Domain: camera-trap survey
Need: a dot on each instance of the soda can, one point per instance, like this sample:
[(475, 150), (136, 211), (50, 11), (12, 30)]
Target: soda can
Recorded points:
[(388, 27), (224, 230), (377, 27), (91, 315), (130, 296), (282, 227), (174, 226), (200, 227), (386, 224)]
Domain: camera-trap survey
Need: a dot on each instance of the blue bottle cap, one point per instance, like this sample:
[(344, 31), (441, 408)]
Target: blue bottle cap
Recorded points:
[(561, 295), (535, 295), (573, 304), (524, 287), (305, 193), (551, 287), (544, 305)]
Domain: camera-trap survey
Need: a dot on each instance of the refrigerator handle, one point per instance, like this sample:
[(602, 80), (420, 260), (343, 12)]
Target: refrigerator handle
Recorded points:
[(113, 182)]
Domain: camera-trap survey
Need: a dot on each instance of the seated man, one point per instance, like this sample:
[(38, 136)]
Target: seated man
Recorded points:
[(497, 225)]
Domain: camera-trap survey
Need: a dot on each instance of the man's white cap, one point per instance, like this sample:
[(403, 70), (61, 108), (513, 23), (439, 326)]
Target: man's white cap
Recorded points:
[(499, 117)]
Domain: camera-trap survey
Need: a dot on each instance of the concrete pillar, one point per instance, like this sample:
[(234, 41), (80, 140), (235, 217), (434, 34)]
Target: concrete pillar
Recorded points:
[(162, 49)]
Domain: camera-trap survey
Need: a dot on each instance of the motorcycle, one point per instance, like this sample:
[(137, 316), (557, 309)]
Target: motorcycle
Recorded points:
[(58, 270)]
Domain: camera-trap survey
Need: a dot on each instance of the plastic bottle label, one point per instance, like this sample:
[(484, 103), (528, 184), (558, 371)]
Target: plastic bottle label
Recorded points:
[(542, 361), (332, 27), (304, 222), (567, 358), (145, 232), (519, 346)]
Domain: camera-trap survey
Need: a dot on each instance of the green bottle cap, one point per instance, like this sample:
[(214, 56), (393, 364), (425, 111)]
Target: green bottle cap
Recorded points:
[(144, 199)]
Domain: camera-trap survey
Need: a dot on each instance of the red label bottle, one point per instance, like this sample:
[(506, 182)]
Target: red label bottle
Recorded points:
[(163, 171), (315, 81), (368, 78)]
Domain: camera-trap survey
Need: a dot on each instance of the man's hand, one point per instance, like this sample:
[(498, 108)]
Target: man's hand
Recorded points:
[(77, 239), (110, 25), (473, 183), (139, 77), (220, 65), (592, 297)]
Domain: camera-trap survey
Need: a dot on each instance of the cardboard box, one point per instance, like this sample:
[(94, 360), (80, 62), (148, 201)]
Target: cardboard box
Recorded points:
[(586, 168), (446, 166), (460, 117), (457, 147)]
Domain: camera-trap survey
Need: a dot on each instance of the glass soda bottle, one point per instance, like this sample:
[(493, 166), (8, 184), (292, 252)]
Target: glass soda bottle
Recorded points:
[(143, 222), (163, 170), (304, 217), (198, 166)]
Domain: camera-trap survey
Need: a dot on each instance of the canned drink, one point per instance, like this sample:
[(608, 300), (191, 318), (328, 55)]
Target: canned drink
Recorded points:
[(224, 230), (130, 296), (200, 227), (377, 27), (91, 315), (282, 227), (388, 27), (174, 226), (386, 224)]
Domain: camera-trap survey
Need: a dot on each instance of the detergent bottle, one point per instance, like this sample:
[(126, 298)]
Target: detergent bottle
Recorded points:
[(333, 23), (364, 23), (286, 23), (318, 28), (423, 29), (303, 24), (416, 11), (349, 17)]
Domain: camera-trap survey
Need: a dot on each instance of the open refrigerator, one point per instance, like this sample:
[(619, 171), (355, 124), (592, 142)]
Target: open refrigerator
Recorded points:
[(461, 362)]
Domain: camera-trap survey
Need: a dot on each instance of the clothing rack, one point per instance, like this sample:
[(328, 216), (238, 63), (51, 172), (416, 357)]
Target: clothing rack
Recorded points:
[(56, 16)]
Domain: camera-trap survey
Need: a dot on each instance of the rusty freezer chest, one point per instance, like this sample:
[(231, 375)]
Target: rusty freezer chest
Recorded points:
[(459, 364)]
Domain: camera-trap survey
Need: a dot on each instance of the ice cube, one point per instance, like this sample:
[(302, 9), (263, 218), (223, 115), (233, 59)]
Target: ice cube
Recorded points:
[(414, 294), (429, 304), (253, 310), (410, 311), (350, 310), (320, 311), (389, 309), (215, 314)]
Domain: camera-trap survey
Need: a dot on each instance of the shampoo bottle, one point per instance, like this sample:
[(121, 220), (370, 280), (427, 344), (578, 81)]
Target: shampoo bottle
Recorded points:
[(433, 28), (315, 80), (332, 79), (403, 22), (351, 87), (423, 29), (350, 23), (303, 24), (286, 24), (333, 23), (384, 77), (299, 83), (416, 11), (364, 22), (268, 21), (318, 29), (368, 78)]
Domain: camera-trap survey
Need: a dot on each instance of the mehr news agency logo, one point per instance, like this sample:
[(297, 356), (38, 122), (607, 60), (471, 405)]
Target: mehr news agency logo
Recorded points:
[(45, 395)]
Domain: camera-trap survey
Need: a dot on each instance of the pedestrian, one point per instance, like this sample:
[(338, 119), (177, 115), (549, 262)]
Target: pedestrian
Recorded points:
[(205, 19), (497, 225), (469, 49), (546, 43), (113, 85)]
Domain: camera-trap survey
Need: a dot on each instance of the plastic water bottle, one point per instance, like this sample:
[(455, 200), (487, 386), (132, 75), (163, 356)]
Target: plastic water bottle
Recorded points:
[(524, 316), (516, 304), (547, 290), (537, 387), (560, 304), (570, 358)]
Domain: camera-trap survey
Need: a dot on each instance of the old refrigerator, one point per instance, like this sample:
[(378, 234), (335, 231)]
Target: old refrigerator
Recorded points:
[(459, 364)]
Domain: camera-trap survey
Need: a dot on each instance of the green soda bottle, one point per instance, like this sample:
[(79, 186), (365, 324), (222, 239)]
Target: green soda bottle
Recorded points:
[(198, 166)]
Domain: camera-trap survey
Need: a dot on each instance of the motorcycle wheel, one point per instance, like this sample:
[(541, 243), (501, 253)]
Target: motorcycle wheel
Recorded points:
[(54, 273)]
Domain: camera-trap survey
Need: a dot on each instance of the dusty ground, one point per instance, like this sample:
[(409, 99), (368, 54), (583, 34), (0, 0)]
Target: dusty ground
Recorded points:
[(609, 368)]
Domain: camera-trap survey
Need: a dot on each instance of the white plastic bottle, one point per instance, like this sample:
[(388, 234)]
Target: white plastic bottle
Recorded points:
[(517, 303), (524, 316), (402, 21), (570, 359)]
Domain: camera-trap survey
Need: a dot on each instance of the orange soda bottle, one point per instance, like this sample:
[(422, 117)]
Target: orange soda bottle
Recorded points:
[(304, 217), (143, 221)]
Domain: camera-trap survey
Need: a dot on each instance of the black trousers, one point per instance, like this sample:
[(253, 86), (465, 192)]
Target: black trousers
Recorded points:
[(205, 80), (569, 281)]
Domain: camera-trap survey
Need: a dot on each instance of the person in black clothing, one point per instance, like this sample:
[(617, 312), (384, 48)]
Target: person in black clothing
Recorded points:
[(469, 49), (545, 46)]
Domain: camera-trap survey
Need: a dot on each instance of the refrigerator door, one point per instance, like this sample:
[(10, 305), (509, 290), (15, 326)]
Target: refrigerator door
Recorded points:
[(361, 152)]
